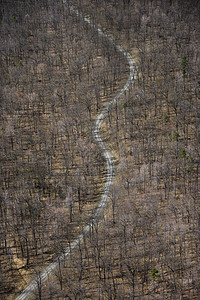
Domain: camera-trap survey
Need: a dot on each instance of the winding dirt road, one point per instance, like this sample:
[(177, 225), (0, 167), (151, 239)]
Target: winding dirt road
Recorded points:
[(44, 275)]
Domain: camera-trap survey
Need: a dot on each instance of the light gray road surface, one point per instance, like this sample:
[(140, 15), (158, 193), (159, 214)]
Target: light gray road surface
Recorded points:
[(44, 275)]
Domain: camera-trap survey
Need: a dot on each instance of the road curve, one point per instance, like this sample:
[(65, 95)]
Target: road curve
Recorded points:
[(44, 275)]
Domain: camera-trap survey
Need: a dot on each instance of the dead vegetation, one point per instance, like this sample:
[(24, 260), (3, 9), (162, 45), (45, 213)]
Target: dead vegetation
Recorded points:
[(147, 246)]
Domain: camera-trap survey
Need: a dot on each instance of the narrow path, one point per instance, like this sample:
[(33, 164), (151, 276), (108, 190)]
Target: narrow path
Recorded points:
[(44, 275)]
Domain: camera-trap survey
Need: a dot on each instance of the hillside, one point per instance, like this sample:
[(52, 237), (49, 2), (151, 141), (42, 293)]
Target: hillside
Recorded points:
[(56, 76)]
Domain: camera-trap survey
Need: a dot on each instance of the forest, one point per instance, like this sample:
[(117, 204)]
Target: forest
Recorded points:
[(57, 74)]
